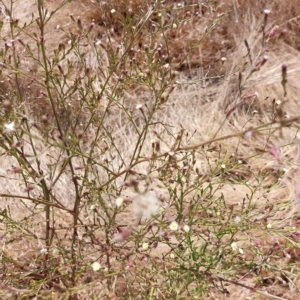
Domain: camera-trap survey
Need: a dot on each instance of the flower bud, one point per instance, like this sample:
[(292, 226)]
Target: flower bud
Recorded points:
[(273, 32)]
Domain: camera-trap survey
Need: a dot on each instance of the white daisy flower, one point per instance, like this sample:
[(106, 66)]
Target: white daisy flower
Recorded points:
[(145, 246), (174, 225), (96, 266), (234, 246), (119, 201)]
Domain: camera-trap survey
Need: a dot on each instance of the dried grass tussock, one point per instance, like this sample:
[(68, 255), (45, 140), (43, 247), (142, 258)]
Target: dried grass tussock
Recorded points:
[(149, 149)]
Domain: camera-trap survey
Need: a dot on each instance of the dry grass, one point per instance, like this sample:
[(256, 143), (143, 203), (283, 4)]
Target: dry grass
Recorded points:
[(206, 89)]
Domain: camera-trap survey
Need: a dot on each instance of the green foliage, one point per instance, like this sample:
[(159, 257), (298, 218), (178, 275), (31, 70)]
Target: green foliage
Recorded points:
[(79, 193)]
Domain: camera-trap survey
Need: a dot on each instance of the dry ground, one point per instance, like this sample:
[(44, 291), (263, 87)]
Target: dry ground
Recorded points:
[(206, 89)]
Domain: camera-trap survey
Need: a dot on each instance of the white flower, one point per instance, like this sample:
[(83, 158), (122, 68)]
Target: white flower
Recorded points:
[(55, 252), (269, 226), (96, 266), (174, 225), (237, 219), (92, 207), (223, 166), (267, 11), (145, 246), (248, 134), (119, 201), (234, 246), (44, 251), (113, 11), (186, 228), (146, 205), (10, 127), (223, 58), (174, 25)]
